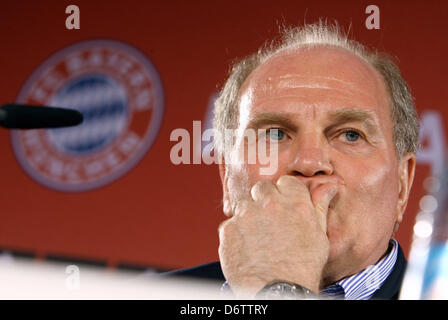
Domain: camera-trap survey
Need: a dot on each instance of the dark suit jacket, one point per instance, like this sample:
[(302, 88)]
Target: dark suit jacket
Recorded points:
[(388, 291)]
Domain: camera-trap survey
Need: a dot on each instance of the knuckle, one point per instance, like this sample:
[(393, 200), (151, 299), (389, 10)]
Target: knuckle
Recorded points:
[(286, 179), (241, 207), (264, 185), (291, 182), (261, 189), (225, 226)]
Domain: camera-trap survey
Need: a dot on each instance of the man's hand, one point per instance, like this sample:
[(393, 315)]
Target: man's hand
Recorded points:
[(278, 233)]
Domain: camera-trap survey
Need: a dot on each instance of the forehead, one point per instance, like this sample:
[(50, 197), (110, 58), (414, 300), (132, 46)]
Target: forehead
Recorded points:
[(321, 77)]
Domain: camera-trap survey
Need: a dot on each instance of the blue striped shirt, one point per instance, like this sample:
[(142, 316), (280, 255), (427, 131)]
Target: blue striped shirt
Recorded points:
[(360, 286)]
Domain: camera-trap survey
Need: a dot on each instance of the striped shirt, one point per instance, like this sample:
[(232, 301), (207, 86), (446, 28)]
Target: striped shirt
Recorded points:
[(360, 286)]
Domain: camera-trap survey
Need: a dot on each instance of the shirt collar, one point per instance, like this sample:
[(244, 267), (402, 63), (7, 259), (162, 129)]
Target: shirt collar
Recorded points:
[(362, 286)]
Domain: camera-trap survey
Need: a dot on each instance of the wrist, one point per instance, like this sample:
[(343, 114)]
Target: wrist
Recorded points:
[(285, 290), (246, 288)]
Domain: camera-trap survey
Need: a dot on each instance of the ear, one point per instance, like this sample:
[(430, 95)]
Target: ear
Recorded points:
[(223, 173), (406, 170)]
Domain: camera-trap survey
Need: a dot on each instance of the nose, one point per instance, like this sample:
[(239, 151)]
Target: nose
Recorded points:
[(310, 157)]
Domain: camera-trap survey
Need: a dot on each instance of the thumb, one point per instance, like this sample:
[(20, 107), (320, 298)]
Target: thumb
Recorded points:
[(321, 197)]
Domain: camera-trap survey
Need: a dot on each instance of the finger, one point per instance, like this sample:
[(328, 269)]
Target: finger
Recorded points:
[(222, 226), (263, 189), (227, 232), (288, 185), (240, 205), (321, 197)]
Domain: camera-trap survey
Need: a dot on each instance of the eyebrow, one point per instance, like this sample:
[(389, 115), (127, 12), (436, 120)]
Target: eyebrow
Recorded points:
[(337, 117), (345, 115), (261, 119)]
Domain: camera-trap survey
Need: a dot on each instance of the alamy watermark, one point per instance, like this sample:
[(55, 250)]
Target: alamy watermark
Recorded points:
[(250, 146), (73, 20), (73, 280)]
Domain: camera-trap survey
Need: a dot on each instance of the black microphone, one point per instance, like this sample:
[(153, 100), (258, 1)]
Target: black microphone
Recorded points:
[(19, 116)]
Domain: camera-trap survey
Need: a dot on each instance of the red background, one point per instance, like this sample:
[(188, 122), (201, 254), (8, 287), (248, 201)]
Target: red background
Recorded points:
[(159, 214)]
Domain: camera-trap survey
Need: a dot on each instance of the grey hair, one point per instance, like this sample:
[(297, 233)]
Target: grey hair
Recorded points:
[(403, 112)]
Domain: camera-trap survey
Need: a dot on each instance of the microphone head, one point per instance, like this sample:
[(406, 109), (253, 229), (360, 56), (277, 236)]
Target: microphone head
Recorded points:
[(18, 116)]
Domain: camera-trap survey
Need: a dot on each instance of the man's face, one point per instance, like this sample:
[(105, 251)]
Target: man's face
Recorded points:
[(332, 113)]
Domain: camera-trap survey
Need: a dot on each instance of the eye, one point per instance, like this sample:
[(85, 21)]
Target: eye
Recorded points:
[(276, 134), (351, 135)]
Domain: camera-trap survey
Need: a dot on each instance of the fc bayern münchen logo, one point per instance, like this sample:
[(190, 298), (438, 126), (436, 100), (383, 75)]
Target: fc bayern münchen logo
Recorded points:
[(120, 95)]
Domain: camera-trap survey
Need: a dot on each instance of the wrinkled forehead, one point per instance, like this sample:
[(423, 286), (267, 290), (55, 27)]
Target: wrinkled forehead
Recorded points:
[(321, 67)]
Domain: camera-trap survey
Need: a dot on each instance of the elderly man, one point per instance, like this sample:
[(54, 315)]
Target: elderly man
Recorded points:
[(346, 131)]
